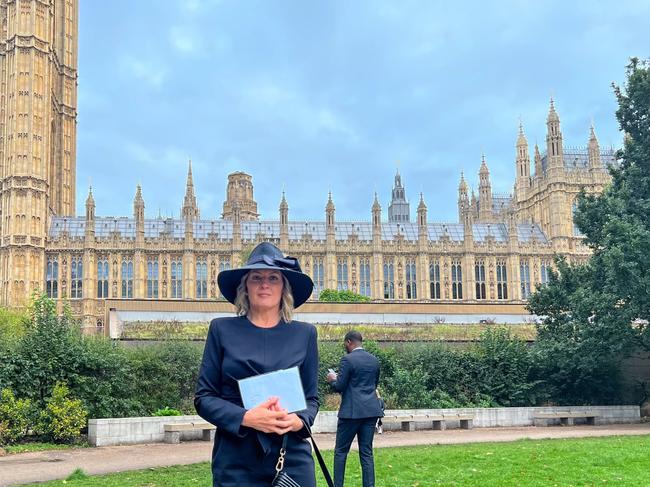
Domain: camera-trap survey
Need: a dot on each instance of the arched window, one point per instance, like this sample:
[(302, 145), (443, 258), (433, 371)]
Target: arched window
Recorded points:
[(524, 275), (102, 278), (127, 279), (52, 278), (456, 280), (76, 277), (319, 276), (152, 277), (502, 280), (544, 271), (177, 279), (364, 277), (342, 274), (201, 279), (389, 279), (479, 274), (434, 280), (411, 280)]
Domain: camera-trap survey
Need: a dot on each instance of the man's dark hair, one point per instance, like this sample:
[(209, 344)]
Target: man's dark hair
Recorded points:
[(353, 336)]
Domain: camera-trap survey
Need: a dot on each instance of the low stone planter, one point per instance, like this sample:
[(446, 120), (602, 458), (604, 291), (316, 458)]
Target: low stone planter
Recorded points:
[(120, 431)]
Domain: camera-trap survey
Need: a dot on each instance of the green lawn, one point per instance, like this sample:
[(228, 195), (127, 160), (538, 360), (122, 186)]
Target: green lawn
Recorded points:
[(37, 446), (576, 462)]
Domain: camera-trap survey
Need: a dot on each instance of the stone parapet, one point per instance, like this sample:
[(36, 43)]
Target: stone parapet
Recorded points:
[(122, 431)]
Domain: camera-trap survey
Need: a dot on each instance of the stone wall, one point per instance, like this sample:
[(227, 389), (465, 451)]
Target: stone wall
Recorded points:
[(119, 431)]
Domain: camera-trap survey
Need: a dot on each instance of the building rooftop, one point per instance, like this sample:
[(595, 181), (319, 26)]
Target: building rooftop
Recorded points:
[(124, 227), (576, 158)]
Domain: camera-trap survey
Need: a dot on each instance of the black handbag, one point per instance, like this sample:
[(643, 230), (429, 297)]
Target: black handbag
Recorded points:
[(282, 478)]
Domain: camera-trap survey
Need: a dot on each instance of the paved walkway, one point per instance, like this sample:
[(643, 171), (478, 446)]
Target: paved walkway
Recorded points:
[(24, 468)]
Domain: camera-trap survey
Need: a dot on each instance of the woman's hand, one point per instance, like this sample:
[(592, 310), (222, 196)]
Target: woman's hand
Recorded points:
[(296, 422), (268, 417)]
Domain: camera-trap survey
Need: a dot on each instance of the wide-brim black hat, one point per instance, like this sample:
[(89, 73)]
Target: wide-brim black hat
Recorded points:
[(268, 257)]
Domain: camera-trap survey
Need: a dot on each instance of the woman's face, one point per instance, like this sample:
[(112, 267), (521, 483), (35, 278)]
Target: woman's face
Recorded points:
[(264, 289)]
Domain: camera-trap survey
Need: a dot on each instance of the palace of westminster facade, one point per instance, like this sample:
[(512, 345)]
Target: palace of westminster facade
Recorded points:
[(500, 248)]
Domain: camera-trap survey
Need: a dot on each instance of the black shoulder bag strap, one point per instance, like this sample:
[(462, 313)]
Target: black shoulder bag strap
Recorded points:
[(321, 462), (280, 465)]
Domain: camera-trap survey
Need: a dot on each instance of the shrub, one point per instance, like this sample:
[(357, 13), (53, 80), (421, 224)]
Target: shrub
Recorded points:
[(14, 417), (167, 411), (105, 379), (47, 353), (408, 389), (52, 349), (63, 417), (13, 325), (166, 374), (332, 295), (505, 366)]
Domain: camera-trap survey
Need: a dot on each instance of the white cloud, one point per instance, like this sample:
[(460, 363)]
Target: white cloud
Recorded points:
[(195, 6), (269, 99), (148, 71), (165, 157), (182, 40)]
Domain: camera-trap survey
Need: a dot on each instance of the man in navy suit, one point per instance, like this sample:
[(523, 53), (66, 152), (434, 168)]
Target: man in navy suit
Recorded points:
[(357, 382)]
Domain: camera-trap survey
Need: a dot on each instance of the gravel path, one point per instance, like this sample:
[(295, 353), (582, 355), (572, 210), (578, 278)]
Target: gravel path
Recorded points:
[(24, 468)]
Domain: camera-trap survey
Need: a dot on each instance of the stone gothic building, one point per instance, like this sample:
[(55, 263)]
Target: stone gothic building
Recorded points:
[(501, 247)]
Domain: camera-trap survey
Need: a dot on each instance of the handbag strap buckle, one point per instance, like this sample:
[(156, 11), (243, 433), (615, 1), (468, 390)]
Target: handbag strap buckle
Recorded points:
[(280, 465)]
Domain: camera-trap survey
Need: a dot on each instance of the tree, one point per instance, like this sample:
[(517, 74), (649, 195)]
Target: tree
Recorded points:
[(597, 313)]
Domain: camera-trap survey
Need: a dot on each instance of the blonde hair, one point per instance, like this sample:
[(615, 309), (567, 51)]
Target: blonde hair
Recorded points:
[(243, 305)]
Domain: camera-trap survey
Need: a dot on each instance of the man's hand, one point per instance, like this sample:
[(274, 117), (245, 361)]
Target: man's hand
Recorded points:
[(268, 417), (331, 377)]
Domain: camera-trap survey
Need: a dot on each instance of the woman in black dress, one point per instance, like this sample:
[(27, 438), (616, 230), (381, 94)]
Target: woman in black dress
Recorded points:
[(262, 338)]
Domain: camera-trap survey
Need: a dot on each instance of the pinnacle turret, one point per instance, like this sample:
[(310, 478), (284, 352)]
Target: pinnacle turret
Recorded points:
[(554, 144), (190, 210)]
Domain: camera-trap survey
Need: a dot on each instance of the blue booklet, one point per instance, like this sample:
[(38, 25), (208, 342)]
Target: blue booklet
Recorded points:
[(285, 384)]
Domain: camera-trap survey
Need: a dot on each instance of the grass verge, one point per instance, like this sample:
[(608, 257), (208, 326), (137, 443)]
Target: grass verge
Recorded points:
[(36, 446), (621, 460)]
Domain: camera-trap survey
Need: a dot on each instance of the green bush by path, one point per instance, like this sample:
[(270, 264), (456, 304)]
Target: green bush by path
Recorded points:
[(620, 460), (63, 418), (15, 416), (166, 374), (167, 411), (116, 380)]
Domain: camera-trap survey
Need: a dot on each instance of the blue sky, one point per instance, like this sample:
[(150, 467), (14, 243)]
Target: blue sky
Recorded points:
[(328, 96)]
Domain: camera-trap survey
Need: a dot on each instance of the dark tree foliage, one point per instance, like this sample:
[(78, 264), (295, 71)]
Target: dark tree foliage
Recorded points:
[(597, 313)]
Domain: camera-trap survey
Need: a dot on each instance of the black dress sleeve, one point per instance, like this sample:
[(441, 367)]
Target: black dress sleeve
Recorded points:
[(309, 377), (207, 400)]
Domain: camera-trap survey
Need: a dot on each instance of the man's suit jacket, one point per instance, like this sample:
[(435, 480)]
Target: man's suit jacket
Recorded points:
[(357, 382)]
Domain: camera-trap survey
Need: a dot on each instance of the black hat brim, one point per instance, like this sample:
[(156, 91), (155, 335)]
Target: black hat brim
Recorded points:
[(301, 284)]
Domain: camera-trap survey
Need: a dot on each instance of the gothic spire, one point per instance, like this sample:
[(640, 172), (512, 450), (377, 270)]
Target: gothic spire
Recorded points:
[(462, 186), (554, 143), (538, 162), (485, 192), (422, 205), (90, 205), (190, 210), (552, 114), (90, 200), (593, 148), (329, 212), (138, 205)]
